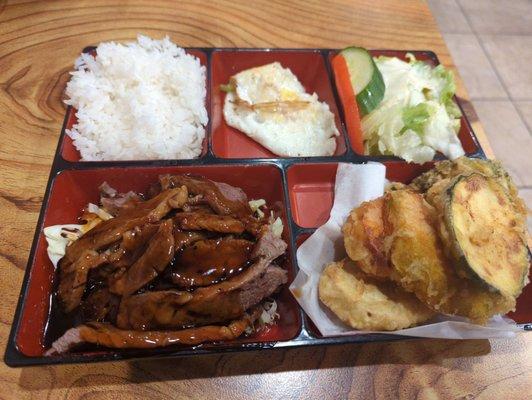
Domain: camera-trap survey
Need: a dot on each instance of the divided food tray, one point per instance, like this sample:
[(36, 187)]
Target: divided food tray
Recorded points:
[(301, 188)]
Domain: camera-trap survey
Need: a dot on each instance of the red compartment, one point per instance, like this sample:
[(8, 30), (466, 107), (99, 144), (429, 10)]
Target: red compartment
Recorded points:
[(311, 189), (523, 309), (307, 65), (70, 153), (72, 190), (465, 134)]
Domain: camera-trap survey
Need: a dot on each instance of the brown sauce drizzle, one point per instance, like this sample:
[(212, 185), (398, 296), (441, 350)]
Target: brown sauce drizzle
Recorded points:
[(209, 261)]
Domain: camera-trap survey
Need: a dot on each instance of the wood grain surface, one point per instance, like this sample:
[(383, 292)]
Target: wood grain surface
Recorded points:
[(38, 44)]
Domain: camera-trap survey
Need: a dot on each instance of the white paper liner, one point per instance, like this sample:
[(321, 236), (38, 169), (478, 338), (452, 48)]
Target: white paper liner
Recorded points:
[(356, 183)]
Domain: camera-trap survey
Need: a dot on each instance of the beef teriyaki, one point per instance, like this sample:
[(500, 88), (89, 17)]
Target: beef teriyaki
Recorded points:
[(188, 263)]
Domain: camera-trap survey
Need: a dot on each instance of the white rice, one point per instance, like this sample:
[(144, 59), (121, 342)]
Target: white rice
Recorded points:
[(139, 100)]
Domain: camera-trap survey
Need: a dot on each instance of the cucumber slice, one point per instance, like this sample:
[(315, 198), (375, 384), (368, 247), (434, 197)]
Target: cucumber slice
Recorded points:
[(366, 78)]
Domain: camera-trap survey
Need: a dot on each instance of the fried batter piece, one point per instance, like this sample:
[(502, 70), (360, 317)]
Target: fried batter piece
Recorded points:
[(364, 238), (414, 250), (450, 169), (410, 236), (420, 266), (431, 182), (366, 303)]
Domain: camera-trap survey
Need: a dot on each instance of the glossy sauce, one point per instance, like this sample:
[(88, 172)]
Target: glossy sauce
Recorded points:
[(183, 238), (209, 261), (212, 193), (110, 336)]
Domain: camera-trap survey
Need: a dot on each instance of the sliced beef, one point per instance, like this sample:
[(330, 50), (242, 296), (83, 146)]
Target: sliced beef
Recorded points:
[(183, 239), (222, 301), (262, 287), (154, 209), (200, 208), (82, 254), (231, 193), (209, 261), (209, 222), (138, 236), (111, 231), (113, 205), (190, 256), (101, 305), (100, 274), (268, 245), (113, 202), (136, 310), (221, 197), (106, 190), (210, 305), (133, 244), (73, 278), (150, 264), (110, 336), (197, 200)]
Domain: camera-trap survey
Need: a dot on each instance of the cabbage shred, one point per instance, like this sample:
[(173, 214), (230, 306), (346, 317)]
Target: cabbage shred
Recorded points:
[(417, 116)]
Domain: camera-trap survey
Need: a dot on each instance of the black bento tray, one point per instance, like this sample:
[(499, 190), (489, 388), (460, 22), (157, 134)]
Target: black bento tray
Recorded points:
[(307, 334)]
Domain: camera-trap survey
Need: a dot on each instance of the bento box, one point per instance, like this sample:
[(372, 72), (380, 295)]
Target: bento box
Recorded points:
[(301, 188)]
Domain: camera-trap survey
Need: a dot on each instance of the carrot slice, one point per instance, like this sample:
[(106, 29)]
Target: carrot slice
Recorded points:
[(348, 98)]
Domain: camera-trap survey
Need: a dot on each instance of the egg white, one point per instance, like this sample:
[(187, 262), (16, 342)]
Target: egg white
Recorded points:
[(306, 129)]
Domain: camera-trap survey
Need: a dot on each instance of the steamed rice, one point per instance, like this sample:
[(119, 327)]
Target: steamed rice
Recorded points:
[(140, 100)]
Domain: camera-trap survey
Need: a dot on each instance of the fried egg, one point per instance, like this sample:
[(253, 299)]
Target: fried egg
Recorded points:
[(270, 105)]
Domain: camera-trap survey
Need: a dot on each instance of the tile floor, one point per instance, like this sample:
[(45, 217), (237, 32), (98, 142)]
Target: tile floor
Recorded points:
[(491, 44)]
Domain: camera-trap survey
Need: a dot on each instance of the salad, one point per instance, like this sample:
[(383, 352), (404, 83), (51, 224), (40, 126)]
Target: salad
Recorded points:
[(405, 108)]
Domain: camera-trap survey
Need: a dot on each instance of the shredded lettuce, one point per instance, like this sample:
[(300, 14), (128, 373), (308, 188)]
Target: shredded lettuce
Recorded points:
[(269, 313), (276, 225), (59, 237), (100, 212), (255, 206), (417, 116)]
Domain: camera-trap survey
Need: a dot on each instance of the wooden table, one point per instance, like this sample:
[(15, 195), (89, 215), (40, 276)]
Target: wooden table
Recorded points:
[(38, 44)]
